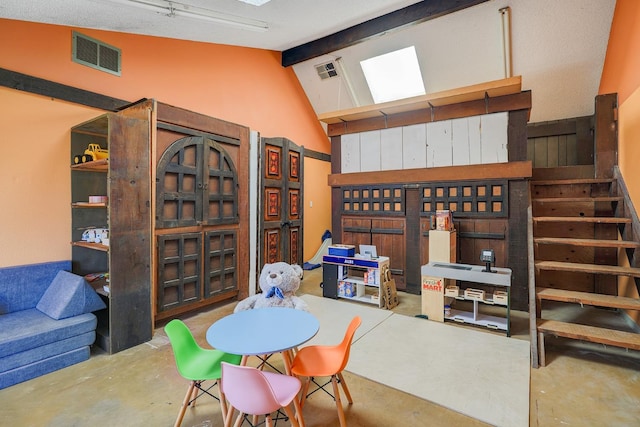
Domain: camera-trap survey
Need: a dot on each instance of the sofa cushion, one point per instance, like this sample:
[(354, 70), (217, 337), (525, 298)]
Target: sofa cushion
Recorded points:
[(46, 351), (69, 295), (21, 287), (42, 367), (27, 329)]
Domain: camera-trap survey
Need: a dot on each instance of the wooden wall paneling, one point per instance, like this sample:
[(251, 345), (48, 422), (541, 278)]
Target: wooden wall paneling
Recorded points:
[(356, 231), (566, 145), (425, 225), (414, 146), (350, 149), (439, 151), (391, 149), (388, 235), (540, 152), (460, 139), (475, 143), (466, 246), (494, 137), (517, 136), (553, 148), (517, 248), (531, 152), (584, 140)]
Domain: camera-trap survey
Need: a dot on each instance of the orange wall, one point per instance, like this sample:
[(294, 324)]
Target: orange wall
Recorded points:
[(621, 74), (240, 85)]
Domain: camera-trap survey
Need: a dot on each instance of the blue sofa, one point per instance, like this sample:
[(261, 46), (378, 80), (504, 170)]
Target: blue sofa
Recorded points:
[(46, 320)]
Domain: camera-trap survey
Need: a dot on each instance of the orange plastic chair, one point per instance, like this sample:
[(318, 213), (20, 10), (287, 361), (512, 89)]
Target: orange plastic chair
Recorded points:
[(326, 361)]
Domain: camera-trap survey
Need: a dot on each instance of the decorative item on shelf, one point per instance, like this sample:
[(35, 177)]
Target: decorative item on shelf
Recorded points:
[(452, 291), (447, 310), (96, 235), (92, 153), (444, 220), (98, 199), (500, 297), (474, 294), (342, 250), (347, 289)]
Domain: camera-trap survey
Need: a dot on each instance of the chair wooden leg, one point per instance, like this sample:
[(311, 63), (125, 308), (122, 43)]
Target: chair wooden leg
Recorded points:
[(305, 390), (336, 392), (223, 404), (268, 421), (239, 420), (185, 403), (345, 388), (228, 417), (292, 416), (298, 408), (194, 394)]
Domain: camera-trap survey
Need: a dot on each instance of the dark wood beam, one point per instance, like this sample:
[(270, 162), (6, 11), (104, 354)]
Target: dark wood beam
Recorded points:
[(410, 15), (26, 83), (518, 101)]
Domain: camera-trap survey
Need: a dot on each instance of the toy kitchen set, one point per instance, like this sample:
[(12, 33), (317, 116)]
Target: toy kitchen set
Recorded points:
[(485, 285)]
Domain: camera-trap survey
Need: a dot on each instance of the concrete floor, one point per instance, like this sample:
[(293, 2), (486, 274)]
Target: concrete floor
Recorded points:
[(582, 385)]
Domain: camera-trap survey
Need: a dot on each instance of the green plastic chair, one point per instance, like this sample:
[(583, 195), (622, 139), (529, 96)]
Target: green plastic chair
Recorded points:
[(197, 365)]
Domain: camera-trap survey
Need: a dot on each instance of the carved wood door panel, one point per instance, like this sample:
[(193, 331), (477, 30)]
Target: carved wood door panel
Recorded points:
[(281, 184), (197, 208)]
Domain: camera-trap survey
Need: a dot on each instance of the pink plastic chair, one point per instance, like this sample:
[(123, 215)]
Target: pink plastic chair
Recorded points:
[(255, 392)]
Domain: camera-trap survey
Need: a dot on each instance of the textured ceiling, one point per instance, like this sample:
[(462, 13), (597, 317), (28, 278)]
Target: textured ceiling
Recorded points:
[(558, 47), (291, 22)]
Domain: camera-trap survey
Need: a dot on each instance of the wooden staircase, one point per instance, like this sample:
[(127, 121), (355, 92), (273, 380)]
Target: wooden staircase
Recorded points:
[(577, 236)]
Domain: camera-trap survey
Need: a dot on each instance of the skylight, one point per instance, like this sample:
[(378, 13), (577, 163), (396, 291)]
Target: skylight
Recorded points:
[(256, 2), (394, 75)]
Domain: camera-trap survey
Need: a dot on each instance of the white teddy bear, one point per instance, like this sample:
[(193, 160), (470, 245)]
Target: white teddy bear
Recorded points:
[(279, 283)]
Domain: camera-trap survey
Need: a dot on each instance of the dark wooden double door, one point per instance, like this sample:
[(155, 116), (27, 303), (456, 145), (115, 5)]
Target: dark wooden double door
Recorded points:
[(281, 203)]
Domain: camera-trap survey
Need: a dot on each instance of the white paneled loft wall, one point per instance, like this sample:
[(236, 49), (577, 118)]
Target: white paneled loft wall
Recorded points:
[(466, 141)]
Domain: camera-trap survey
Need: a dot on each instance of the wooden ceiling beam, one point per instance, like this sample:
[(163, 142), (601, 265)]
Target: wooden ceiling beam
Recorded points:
[(410, 15)]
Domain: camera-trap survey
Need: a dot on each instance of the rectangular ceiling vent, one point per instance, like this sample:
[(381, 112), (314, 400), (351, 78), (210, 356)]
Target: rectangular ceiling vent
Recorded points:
[(327, 71), (96, 54)]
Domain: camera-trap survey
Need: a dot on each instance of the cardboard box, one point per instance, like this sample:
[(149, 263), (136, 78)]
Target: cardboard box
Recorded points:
[(444, 220), (342, 250), (346, 289)]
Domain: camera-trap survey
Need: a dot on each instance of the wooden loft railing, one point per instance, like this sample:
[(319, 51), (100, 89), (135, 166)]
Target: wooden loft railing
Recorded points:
[(510, 170), (483, 98)]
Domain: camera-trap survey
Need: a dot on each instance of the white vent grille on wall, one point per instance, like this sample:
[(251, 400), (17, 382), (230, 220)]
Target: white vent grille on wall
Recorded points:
[(96, 54), (327, 71)]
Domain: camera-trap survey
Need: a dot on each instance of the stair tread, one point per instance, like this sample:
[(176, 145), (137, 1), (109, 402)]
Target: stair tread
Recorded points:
[(588, 298), (590, 219), (601, 243), (573, 181), (588, 268), (590, 333), (578, 199)]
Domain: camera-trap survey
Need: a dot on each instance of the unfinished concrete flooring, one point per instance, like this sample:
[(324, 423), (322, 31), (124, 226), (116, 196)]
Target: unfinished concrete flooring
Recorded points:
[(141, 386)]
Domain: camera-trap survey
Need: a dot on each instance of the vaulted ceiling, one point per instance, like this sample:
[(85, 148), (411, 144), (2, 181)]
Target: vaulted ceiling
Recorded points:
[(557, 47)]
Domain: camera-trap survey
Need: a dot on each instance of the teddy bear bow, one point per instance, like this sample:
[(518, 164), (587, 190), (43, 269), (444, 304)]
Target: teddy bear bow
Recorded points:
[(275, 291)]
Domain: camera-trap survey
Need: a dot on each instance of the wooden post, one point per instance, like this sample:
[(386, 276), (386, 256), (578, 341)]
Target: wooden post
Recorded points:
[(606, 135)]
